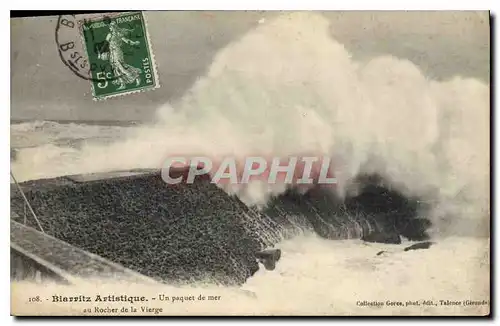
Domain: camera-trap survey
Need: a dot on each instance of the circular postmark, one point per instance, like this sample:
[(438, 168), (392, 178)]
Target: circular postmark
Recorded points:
[(75, 46)]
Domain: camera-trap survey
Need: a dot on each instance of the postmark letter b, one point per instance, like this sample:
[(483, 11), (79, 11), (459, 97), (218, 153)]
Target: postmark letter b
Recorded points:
[(66, 46), (67, 23)]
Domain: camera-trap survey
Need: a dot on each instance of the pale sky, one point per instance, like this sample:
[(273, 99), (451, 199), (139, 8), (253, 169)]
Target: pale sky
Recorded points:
[(441, 44)]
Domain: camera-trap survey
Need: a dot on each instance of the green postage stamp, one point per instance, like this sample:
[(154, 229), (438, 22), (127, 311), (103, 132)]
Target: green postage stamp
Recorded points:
[(119, 54)]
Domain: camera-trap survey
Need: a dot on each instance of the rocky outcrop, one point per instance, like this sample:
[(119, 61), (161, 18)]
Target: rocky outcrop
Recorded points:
[(269, 258), (170, 233), (197, 232)]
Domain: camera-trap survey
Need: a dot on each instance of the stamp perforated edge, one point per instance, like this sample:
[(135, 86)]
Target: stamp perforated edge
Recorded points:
[(150, 51)]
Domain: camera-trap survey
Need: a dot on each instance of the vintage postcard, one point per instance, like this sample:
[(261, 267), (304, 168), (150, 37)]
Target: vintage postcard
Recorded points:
[(250, 163)]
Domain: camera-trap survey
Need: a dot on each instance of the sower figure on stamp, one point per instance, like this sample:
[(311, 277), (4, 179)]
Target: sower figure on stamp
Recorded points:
[(124, 73)]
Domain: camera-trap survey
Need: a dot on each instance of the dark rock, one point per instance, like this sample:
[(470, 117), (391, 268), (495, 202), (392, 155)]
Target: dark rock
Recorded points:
[(375, 207), (197, 232), (380, 252), (382, 237), (420, 245), (389, 208), (269, 264), (415, 229), (269, 254), (169, 233), (269, 258)]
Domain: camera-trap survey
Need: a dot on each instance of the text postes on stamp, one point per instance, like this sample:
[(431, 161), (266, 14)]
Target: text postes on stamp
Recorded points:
[(116, 54)]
